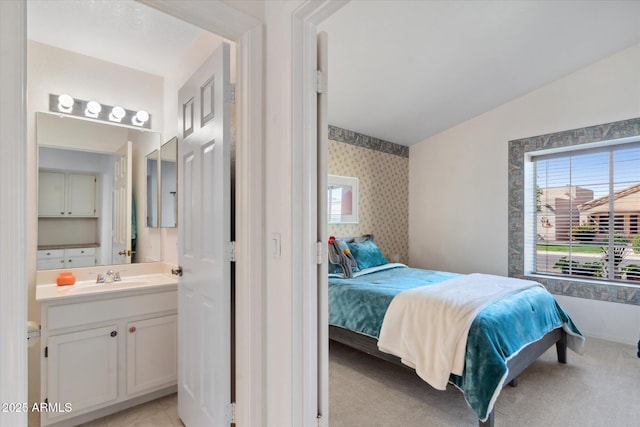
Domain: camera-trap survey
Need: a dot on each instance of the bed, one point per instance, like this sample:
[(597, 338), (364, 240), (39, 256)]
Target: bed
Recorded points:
[(504, 337)]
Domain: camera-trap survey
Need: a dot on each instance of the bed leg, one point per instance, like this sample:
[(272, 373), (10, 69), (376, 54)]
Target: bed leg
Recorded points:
[(488, 422), (561, 348), (514, 382)]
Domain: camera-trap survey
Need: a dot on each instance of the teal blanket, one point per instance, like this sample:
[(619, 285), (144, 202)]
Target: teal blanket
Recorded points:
[(499, 331)]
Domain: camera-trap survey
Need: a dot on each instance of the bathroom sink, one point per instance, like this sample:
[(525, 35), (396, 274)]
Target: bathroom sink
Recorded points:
[(87, 287), (120, 283)]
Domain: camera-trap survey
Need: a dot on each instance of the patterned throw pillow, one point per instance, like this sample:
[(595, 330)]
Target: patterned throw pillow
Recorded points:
[(340, 258)]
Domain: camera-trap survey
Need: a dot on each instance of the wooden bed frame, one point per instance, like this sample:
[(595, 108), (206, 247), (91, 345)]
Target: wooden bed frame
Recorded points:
[(516, 364)]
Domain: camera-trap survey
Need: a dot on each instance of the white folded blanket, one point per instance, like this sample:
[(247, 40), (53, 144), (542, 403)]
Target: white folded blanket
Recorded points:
[(427, 327)]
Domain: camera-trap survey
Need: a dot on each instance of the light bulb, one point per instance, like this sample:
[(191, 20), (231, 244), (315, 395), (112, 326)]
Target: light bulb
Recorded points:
[(65, 103), (140, 118), (117, 113), (93, 109)]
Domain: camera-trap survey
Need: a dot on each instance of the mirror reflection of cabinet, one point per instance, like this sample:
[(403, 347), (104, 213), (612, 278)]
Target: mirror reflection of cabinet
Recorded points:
[(72, 150), (66, 194), (66, 258)]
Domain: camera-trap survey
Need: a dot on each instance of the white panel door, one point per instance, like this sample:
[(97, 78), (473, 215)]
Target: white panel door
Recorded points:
[(121, 236), (204, 297)]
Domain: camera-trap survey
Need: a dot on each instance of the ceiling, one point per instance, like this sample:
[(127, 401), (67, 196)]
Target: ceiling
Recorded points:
[(406, 70), (124, 32), (400, 70)]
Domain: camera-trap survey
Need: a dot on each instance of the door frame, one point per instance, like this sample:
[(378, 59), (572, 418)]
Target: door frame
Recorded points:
[(13, 210), (17, 266), (309, 338)]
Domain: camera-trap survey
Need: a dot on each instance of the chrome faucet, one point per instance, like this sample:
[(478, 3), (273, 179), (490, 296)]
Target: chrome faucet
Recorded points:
[(109, 277)]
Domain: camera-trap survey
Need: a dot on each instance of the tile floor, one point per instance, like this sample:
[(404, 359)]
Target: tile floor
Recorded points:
[(162, 412)]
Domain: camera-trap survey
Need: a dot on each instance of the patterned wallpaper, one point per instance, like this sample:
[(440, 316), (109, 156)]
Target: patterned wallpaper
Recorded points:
[(383, 193)]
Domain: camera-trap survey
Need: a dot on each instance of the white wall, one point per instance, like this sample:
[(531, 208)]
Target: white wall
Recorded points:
[(278, 216), (458, 179), (606, 320)]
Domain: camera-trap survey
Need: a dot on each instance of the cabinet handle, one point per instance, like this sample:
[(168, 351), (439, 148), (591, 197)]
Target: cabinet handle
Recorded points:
[(132, 329), (69, 213), (61, 213), (114, 333)]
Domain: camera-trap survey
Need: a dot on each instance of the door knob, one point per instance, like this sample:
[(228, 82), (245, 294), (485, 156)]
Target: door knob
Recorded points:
[(177, 271)]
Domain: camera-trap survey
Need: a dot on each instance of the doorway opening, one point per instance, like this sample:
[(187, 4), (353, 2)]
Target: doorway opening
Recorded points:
[(243, 28)]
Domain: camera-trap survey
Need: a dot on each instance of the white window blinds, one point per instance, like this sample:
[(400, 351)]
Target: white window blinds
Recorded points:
[(587, 205)]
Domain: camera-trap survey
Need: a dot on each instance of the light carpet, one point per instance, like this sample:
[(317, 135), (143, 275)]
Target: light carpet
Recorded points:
[(599, 388)]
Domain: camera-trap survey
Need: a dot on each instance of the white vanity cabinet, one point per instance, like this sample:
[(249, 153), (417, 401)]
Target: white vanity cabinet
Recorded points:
[(66, 194), (106, 352), (66, 258)]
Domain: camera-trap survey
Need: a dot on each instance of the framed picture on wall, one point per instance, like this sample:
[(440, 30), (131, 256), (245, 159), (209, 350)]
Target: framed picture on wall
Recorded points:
[(342, 199)]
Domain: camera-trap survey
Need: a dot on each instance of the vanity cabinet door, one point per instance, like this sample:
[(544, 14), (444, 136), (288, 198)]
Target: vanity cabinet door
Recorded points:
[(82, 369), (66, 194), (51, 193), (80, 257), (50, 259), (152, 361), (81, 195)]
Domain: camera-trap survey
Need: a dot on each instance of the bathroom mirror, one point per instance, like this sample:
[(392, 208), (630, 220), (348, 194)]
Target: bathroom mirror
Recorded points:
[(92, 201), (169, 184), (153, 205)]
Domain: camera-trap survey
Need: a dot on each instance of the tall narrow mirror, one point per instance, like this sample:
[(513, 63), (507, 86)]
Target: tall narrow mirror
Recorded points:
[(153, 183), (169, 184)]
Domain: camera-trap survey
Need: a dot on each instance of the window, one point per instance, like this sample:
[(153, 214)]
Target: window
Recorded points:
[(586, 211)]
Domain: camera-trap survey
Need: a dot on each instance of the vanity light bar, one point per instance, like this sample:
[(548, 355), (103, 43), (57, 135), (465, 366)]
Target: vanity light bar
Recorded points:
[(65, 104)]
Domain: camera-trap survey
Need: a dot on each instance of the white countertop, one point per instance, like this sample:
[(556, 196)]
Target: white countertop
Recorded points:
[(86, 288)]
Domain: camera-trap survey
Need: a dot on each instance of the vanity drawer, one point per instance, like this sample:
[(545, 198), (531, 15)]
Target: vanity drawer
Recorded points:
[(50, 253), (81, 251), (83, 313)]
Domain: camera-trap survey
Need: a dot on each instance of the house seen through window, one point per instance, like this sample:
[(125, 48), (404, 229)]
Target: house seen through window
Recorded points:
[(587, 204)]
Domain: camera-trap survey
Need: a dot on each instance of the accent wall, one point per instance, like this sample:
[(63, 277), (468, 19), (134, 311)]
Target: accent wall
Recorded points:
[(382, 169)]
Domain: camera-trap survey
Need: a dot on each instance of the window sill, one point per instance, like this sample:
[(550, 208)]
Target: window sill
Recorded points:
[(581, 280)]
